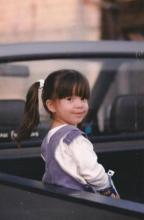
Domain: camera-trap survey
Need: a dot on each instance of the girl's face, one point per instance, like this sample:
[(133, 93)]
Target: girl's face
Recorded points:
[(70, 110)]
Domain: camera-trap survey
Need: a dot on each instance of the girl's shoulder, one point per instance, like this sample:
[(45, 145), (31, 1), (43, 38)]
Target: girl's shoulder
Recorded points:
[(67, 133), (72, 134)]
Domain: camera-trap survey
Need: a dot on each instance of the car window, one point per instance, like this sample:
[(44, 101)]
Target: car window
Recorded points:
[(117, 93)]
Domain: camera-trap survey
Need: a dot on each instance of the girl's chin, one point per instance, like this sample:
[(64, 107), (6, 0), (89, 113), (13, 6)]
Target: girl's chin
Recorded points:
[(76, 122)]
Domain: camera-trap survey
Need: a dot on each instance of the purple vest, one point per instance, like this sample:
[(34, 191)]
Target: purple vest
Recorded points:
[(54, 174)]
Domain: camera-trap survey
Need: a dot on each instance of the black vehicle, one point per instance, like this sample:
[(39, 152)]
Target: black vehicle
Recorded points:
[(115, 125)]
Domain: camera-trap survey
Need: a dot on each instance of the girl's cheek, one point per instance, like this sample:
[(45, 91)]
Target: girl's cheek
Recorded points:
[(87, 106)]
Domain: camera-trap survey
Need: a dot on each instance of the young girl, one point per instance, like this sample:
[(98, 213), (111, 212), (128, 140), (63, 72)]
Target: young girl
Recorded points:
[(70, 160)]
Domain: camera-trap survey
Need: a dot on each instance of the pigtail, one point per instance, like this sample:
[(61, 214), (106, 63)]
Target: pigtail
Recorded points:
[(31, 113)]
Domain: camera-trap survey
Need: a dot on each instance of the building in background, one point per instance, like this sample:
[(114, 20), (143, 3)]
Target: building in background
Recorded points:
[(122, 19), (59, 20), (36, 20)]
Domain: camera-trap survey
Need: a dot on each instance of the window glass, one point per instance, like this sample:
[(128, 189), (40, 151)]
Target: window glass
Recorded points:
[(117, 91)]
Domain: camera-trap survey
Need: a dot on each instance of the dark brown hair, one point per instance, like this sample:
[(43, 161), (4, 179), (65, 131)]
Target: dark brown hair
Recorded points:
[(57, 85)]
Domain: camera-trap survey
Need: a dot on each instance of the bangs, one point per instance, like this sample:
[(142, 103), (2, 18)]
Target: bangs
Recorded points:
[(72, 84)]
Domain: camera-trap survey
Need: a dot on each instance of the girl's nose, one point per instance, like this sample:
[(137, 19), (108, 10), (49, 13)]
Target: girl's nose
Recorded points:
[(79, 103)]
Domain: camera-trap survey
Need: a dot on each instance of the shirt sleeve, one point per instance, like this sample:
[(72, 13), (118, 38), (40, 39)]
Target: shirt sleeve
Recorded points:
[(87, 163)]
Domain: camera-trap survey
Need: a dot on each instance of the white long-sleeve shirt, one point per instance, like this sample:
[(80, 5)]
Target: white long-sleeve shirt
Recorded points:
[(79, 160)]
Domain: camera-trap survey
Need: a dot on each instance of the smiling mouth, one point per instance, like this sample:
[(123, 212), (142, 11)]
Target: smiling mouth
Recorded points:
[(80, 113)]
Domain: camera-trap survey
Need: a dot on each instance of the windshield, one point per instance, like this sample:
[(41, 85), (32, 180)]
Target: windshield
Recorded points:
[(116, 102)]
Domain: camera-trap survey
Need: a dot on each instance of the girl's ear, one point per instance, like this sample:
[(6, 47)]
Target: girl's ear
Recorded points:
[(50, 105)]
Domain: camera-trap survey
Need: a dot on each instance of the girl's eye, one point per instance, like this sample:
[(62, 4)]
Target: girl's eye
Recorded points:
[(83, 99), (69, 98)]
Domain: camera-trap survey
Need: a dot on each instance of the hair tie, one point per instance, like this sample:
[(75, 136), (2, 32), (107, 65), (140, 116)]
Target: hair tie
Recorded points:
[(41, 81)]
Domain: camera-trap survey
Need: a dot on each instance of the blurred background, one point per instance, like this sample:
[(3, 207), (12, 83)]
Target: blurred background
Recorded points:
[(62, 20)]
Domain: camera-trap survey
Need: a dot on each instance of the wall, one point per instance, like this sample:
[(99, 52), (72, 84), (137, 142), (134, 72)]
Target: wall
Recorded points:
[(39, 20)]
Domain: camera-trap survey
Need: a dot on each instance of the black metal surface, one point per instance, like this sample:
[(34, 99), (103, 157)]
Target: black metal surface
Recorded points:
[(67, 50), (22, 198), (28, 199), (125, 158)]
